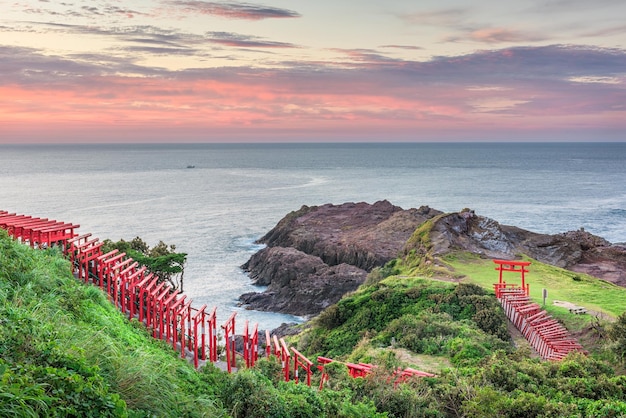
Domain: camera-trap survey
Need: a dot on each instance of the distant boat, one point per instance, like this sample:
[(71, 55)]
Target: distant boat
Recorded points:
[(191, 166)]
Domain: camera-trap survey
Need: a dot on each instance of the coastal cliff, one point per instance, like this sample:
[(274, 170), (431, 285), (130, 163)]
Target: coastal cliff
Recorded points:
[(317, 254)]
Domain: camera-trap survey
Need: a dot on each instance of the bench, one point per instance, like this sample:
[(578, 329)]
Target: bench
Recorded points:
[(578, 310)]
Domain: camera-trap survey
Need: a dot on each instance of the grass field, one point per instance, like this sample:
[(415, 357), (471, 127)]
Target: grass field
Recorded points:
[(561, 285)]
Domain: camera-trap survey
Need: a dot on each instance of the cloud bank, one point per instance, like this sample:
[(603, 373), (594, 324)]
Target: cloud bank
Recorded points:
[(516, 90), (235, 10)]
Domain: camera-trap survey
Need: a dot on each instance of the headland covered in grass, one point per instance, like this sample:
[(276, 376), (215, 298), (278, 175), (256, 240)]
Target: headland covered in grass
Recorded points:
[(598, 296), (66, 351)]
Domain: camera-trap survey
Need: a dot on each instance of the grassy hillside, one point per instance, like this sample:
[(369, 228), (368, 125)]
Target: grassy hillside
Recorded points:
[(425, 317), (602, 299), (66, 351), (405, 316)]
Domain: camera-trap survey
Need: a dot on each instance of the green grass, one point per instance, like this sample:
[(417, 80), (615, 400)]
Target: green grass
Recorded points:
[(65, 350), (563, 285)]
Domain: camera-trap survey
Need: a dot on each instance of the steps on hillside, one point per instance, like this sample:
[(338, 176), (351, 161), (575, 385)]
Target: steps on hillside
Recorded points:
[(545, 334)]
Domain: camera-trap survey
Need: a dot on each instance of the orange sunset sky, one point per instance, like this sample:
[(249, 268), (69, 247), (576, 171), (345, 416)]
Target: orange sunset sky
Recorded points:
[(278, 70)]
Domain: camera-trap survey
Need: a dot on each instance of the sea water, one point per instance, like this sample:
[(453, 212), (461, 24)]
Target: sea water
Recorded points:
[(213, 201)]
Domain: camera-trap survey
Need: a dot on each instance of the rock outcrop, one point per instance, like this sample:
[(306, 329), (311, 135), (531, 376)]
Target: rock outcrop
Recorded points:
[(298, 283), (358, 234), (578, 251), (317, 254)]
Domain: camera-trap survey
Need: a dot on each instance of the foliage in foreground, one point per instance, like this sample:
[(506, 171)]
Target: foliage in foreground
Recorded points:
[(66, 351), (460, 322)]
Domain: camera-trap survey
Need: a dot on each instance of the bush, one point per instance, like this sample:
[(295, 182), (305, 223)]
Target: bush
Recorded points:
[(250, 394), (617, 334)]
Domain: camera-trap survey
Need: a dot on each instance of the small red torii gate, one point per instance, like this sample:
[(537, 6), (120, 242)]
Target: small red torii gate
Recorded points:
[(229, 340), (300, 360), (250, 345), (511, 266)]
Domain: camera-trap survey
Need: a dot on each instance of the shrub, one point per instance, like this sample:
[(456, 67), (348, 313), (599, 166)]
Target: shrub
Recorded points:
[(617, 334), (250, 394)]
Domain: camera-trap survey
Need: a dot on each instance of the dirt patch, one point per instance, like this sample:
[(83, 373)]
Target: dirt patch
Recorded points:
[(519, 341), (597, 314), (564, 304)]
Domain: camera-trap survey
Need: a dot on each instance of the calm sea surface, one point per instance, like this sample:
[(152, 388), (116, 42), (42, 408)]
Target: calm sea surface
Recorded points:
[(236, 193)]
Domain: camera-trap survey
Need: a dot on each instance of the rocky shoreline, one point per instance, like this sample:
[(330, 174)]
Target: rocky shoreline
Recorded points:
[(317, 254)]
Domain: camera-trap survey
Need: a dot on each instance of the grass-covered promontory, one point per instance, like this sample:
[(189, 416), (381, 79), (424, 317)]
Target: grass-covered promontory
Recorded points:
[(66, 351), (414, 312)]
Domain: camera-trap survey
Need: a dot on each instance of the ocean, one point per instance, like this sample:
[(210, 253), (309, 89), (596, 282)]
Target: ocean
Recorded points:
[(214, 200)]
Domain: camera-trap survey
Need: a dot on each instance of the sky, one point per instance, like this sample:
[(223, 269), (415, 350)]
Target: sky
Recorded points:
[(308, 71)]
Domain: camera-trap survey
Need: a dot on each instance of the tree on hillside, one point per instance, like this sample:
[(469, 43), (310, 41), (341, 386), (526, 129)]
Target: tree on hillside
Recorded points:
[(617, 334), (162, 260)]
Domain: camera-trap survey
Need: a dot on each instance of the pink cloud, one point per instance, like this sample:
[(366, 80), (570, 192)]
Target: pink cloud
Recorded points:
[(501, 35), (235, 10), (516, 90)]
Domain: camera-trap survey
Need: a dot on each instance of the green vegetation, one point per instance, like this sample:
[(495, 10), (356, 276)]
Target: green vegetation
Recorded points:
[(162, 259), (396, 313), (66, 351), (423, 316), (562, 285)]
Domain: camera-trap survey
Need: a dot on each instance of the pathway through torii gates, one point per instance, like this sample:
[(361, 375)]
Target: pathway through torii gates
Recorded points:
[(545, 334), (168, 314)]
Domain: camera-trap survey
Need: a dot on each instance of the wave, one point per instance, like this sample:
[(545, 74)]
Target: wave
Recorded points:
[(114, 205), (314, 181)]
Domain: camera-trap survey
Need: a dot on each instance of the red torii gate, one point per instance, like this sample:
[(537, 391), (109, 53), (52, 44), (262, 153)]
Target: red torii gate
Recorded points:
[(53, 234), (298, 361), (286, 358), (229, 340), (36, 231), (280, 351), (71, 248), (105, 268), (85, 253), (156, 304), (511, 266), (212, 325), (250, 345)]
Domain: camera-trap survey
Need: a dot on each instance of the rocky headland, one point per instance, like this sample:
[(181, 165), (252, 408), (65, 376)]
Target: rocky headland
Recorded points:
[(317, 254)]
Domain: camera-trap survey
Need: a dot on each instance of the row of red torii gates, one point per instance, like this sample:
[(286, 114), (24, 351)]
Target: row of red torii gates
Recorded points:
[(165, 311), (545, 334)]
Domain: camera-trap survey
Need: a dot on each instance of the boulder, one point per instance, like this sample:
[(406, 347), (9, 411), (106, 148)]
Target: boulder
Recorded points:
[(360, 234), (298, 283)]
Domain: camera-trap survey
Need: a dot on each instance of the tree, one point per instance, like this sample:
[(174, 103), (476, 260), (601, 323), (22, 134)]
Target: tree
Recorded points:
[(162, 260), (617, 334)]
